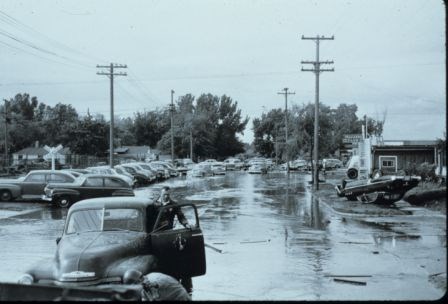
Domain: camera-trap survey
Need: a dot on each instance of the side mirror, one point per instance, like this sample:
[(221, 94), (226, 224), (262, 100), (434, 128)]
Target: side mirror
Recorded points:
[(58, 240)]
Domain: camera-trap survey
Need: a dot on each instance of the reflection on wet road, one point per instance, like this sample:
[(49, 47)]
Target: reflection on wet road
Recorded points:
[(269, 239)]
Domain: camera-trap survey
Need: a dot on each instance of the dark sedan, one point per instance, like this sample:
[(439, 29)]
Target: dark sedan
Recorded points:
[(86, 186)]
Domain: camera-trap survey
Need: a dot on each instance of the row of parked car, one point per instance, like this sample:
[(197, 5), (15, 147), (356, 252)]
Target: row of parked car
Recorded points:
[(67, 186)]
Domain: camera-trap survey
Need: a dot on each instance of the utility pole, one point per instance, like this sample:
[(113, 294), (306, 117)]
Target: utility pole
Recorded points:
[(286, 125), (172, 126), (6, 162), (111, 75), (317, 70)]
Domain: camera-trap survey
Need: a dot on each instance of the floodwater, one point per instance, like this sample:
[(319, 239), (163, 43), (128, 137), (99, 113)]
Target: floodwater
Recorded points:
[(268, 239)]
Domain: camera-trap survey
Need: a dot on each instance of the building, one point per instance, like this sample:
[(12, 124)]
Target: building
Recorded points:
[(139, 153), (391, 156), (37, 154)]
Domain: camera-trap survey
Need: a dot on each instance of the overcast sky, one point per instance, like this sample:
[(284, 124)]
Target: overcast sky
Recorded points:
[(388, 55)]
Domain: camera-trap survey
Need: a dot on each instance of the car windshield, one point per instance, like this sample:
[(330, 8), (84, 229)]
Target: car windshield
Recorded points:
[(105, 219)]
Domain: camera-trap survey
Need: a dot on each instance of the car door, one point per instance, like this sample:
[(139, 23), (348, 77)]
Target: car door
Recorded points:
[(33, 185), (92, 187), (112, 185), (180, 250)]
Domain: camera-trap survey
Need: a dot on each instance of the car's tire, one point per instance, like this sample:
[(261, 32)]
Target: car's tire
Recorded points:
[(352, 173), (63, 201), (5, 196)]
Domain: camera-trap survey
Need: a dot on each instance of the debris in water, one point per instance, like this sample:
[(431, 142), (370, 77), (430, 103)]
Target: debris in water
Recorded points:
[(350, 281)]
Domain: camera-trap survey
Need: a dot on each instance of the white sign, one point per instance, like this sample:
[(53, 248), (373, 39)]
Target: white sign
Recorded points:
[(52, 153)]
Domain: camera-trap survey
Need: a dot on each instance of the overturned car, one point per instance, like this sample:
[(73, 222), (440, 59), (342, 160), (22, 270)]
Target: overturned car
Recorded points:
[(105, 240), (380, 189)]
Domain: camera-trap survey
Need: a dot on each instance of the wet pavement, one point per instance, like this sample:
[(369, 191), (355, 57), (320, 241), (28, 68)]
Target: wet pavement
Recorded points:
[(268, 238)]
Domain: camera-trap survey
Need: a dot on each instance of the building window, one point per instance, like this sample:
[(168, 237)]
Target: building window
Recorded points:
[(388, 163)]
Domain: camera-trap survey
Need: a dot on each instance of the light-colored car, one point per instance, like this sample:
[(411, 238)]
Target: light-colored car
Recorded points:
[(233, 164), (331, 163), (218, 168), (201, 170), (258, 167)]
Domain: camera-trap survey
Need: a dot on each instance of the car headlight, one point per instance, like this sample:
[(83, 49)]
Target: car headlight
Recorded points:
[(26, 279)]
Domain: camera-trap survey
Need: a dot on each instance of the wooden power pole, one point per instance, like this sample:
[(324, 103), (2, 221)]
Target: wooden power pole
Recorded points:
[(317, 70), (286, 93), (111, 75)]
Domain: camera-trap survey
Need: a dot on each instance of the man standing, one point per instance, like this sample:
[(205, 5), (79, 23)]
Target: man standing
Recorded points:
[(167, 217), (166, 222)]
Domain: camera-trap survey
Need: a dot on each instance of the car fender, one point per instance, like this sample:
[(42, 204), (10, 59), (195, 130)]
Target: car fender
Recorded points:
[(68, 192), (143, 263), (15, 190), (124, 192)]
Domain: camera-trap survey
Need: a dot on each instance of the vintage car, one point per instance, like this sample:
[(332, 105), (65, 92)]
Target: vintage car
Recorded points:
[(233, 164), (31, 186), (384, 188), (110, 171), (218, 168), (331, 163), (258, 167), (86, 186), (201, 170), (140, 178), (105, 240)]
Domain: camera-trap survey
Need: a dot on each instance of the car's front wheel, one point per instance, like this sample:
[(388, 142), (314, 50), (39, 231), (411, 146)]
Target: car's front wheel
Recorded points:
[(63, 201), (5, 195)]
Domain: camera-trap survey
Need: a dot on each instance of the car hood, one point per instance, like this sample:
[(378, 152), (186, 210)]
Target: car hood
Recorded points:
[(94, 255)]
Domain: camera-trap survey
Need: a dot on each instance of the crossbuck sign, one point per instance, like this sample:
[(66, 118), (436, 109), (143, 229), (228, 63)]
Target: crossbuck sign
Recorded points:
[(52, 152)]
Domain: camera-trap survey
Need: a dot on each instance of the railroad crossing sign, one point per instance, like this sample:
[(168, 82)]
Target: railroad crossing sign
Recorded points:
[(52, 152)]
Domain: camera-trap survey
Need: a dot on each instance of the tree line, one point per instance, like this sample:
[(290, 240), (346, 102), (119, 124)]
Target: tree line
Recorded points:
[(207, 126), (334, 123)]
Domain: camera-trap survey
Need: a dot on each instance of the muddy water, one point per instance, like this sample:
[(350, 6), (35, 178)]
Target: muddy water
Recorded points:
[(269, 239)]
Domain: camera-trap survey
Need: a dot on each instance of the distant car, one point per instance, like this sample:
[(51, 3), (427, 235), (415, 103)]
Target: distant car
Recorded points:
[(87, 186), (218, 168), (150, 175), (31, 186), (233, 164), (258, 167), (331, 163), (108, 170), (107, 240), (296, 165), (168, 166), (141, 178), (201, 170)]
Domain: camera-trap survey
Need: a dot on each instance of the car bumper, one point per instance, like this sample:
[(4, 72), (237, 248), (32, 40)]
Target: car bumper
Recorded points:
[(46, 198)]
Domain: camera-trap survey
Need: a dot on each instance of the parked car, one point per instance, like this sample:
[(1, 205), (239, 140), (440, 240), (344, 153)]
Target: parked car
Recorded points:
[(233, 164), (258, 167), (87, 186), (218, 168), (201, 170), (108, 170), (107, 240), (296, 165), (331, 163), (140, 177), (353, 167), (163, 172), (168, 166), (31, 186), (149, 174)]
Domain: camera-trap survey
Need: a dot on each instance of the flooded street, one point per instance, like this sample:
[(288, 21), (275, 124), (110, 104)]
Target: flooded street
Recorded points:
[(268, 239)]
